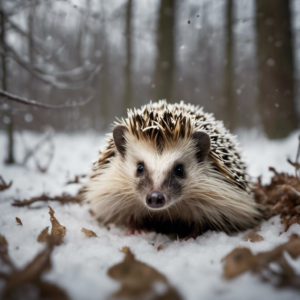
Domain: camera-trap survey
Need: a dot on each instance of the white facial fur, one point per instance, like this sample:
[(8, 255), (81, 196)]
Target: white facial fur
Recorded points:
[(205, 194), (159, 165)]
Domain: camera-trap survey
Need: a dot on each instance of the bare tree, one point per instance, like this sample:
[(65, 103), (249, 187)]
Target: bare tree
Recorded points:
[(165, 60), (229, 66), (128, 97), (7, 115), (276, 67), (47, 70), (25, 101)]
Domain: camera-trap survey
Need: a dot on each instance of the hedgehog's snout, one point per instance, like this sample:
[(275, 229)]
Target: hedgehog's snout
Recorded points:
[(155, 200)]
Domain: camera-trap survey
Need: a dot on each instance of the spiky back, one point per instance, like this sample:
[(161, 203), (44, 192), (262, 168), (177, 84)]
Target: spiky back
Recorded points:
[(160, 123)]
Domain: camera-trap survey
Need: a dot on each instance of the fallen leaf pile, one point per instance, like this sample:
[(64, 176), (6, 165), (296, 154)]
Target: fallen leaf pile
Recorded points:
[(57, 232), (281, 196), (27, 283), (65, 198), (241, 260), (140, 281)]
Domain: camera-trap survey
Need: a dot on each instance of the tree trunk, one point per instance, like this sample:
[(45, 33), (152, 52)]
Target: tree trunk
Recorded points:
[(164, 69), (275, 67), (30, 31), (8, 115), (229, 68), (104, 87), (128, 97)]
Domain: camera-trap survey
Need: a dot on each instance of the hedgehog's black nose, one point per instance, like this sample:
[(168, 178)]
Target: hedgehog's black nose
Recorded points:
[(155, 200)]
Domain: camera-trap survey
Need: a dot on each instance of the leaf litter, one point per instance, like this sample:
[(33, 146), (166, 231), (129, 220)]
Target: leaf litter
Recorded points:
[(253, 237), (27, 283), (19, 221), (140, 281), (280, 197), (241, 260), (58, 231), (89, 233)]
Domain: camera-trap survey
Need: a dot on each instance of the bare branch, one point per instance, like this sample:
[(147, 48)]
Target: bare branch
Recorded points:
[(74, 74), (48, 78), (25, 101), (65, 198), (40, 43), (32, 152)]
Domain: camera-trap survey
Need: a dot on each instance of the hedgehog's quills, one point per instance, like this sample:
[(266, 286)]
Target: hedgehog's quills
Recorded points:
[(172, 168)]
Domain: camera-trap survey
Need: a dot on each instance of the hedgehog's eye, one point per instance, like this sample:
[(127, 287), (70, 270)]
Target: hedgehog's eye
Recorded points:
[(179, 171), (140, 169)]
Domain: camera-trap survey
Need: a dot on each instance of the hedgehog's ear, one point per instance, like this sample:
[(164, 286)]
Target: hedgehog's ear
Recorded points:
[(202, 143), (119, 138)]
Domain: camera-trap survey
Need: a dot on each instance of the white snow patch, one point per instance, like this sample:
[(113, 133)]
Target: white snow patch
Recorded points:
[(80, 265)]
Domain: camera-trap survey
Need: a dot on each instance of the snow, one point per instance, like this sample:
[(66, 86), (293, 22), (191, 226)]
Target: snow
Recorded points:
[(80, 265)]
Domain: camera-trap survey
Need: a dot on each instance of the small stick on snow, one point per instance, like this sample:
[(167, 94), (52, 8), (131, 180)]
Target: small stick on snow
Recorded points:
[(4, 185), (65, 198)]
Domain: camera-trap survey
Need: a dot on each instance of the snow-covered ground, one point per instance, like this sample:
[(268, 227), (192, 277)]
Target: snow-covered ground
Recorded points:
[(80, 264)]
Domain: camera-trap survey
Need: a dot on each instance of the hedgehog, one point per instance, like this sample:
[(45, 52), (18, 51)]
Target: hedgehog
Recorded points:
[(172, 168)]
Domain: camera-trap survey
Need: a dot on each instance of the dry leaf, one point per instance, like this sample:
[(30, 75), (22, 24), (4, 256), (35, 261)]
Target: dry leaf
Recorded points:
[(296, 165), (241, 260), (22, 284), (138, 280), (31, 272), (92, 213), (257, 228), (253, 237), (43, 236), (237, 262), (51, 291), (19, 221), (89, 233), (160, 247), (58, 231), (4, 252)]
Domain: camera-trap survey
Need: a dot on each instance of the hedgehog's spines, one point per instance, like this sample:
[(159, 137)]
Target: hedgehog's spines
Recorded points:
[(159, 123)]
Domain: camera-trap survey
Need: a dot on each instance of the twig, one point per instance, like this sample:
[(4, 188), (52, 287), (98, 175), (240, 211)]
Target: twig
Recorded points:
[(33, 150), (25, 101), (65, 198), (76, 179), (4, 185), (288, 187), (50, 158), (47, 78)]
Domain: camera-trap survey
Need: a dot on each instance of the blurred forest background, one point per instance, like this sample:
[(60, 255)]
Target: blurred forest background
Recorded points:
[(239, 59)]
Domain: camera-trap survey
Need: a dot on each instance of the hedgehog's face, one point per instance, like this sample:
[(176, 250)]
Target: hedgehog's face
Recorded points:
[(160, 178)]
